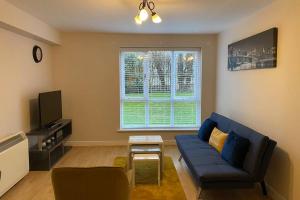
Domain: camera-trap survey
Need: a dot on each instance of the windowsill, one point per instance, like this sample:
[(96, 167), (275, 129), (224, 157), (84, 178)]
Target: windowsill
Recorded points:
[(158, 129)]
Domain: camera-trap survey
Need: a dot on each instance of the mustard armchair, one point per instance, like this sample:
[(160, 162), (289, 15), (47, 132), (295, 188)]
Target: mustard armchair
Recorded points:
[(97, 183)]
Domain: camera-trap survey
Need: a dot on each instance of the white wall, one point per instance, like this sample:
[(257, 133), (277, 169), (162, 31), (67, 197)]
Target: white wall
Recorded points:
[(21, 79), (86, 69), (16, 20), (268, 99)]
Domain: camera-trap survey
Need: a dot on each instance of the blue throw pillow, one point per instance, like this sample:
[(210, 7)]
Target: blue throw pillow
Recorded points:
[(235, 149), (206, 129)]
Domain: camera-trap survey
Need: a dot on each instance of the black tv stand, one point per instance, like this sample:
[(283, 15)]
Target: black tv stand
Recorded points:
[(54, 124), (47, 145)]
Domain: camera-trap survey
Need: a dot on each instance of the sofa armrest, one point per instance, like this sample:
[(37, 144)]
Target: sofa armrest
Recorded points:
[(266, 160)]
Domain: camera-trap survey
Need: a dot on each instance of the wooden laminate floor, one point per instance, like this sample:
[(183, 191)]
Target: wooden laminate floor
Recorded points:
[(37, 185)]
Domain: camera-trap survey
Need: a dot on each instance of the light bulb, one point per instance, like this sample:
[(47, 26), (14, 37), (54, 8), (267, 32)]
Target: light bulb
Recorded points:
[(143, 15), (138, 20), (156, 18)]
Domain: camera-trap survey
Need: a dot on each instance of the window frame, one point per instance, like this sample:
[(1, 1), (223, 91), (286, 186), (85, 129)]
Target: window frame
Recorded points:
[(171, 100)]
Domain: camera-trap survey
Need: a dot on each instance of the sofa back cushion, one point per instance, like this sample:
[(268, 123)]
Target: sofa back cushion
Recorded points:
[(258, 142), (235, 149), (206, 129)]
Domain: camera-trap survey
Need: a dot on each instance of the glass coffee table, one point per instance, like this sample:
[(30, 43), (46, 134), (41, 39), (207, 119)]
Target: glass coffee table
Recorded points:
[(150, 144)]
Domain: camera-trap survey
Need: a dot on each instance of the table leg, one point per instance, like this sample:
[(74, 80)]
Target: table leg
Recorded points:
[(162, 160), (159, 171), (133, 175), (129, 160)]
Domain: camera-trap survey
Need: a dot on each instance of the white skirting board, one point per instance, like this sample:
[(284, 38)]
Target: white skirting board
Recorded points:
[(109, 143)]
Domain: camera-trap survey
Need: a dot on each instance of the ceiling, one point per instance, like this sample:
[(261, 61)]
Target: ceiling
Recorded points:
[(179, 16)]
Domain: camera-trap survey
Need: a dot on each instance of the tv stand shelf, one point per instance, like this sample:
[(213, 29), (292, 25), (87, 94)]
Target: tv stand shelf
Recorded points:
[(47, 145)]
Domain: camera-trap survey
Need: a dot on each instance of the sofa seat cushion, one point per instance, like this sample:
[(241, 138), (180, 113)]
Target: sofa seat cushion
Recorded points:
[(206, 163), (191, 142), (220, 172)]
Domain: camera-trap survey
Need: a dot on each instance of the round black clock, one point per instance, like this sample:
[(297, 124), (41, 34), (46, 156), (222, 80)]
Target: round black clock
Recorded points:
[(37, 54)]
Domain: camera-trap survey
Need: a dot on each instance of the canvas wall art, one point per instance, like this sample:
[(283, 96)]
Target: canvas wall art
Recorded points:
[(255, 52)]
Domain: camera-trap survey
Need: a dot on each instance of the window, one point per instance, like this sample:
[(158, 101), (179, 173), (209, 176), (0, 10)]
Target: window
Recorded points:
[(159, 88)]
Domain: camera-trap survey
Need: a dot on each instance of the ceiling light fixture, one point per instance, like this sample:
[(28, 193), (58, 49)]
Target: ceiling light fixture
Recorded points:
[(143, 14)]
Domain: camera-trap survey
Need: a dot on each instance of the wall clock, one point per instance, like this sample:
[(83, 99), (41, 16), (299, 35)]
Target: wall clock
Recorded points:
[(37, 54)]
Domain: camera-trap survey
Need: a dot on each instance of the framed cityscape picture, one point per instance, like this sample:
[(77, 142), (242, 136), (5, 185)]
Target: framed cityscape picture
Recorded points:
[(255, 52)]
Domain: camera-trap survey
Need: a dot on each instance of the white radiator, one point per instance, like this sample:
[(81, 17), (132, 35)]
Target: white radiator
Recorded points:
[(14, 163)]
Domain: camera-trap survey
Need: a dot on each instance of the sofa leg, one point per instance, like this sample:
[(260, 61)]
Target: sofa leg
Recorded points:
[(180, 158), (264, 188)]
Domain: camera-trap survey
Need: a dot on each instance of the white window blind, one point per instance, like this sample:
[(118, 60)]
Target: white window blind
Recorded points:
[(160, 88)]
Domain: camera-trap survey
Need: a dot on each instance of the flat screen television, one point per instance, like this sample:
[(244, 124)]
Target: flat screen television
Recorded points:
[(50, 108)]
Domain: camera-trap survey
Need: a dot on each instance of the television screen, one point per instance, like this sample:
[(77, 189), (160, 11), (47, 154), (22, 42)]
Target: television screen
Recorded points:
[(50, 107)]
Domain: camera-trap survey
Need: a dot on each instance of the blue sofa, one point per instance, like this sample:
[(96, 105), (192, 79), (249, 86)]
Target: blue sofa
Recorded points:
[(210, 171)]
